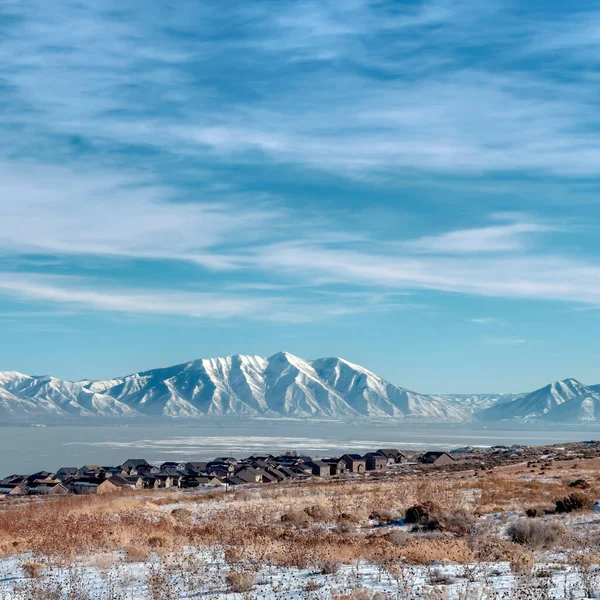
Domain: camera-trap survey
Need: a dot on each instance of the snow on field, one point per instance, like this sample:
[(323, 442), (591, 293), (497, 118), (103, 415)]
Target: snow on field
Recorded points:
[(203, 574)]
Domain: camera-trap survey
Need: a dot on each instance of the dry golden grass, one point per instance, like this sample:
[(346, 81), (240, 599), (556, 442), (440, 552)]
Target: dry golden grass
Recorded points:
[(310, 525)]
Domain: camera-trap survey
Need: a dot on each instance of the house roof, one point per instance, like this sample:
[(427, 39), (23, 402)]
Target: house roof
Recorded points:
[(121, 481), (136, 462), (389, 452), (236, 481), (318, 463), (434, 455)]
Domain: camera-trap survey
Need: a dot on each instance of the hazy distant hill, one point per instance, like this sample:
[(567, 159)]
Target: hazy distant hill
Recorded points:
[(562, 401)]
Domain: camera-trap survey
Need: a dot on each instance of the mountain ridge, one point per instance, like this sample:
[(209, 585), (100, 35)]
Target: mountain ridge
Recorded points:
[(282, 385)]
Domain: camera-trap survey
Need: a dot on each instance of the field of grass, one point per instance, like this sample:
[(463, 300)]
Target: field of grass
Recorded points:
[(433, 534)]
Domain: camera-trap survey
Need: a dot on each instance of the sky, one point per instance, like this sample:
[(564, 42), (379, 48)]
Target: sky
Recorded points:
[(411, 185)]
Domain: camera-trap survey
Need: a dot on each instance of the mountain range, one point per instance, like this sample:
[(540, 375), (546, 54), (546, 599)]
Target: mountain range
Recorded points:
[(282, 385)]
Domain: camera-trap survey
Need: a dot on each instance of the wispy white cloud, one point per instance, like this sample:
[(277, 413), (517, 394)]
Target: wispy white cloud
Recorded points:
[(87, 295), (59, 211), (508, 341), (485, 320), (494, 238), (147, 80), (360, 89), (276, 250)]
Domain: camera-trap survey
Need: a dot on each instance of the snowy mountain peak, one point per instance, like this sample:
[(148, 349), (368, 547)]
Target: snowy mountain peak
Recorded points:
[(282, 385), (542, 403)]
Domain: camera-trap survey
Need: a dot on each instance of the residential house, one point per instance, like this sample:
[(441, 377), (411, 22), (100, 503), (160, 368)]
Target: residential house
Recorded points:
[(289, 473), (375, 462), (170, 467), (220, 468), (336, 465), (88, 470), (89, 485), (66, 472), (437, 458), (249, 475), (355, 463), (196, 466), (40, 476), (226, 459), (319, 468), (125, 481), (47, 489), (393, 456), (12, 489), (138, 466), (268, 477)]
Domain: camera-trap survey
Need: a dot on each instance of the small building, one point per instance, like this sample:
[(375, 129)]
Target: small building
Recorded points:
[(122, 481), (249, 475), (393, 456), (336, 466), (90, 485), (437, 458), (319, 468), (286, 471), (355, 463), (138, 466), (47, 489), (89, 469), (375, 462), (220, 468), (226, 459), (196, 466), (66, 472), (12, 489)]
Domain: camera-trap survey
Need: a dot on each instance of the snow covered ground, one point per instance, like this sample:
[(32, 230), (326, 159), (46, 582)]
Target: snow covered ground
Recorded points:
[(248, 530), (199, 574)]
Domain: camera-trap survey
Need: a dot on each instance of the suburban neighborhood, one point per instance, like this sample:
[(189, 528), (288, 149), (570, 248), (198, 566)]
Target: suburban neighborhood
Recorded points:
[(223, 471)]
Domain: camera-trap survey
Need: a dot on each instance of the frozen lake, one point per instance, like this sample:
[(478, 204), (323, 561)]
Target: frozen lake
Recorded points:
[(26, 449)]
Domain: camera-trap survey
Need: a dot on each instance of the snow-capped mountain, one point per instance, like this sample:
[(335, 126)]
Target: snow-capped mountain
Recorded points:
[(282, 385), (560, 401)]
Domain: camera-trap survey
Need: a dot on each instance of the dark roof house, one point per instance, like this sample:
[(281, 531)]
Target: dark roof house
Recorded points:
[(437, 458), (355, 463), (375, 462)]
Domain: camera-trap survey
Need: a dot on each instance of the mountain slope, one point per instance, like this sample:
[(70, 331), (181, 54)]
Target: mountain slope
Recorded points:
[(282, 385), (541, 403), (478, 402), (241, 385)]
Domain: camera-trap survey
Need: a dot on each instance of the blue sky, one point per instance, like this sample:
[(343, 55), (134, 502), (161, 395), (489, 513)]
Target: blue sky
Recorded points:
[(410, 185)]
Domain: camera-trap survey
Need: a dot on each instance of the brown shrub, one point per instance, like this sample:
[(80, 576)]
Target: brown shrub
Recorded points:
[(420, 514), (580, 484), (573, 502), (32, 569), (297, 518), (382, 515), (240, 581), (318, 512), (182, 514), (535, 534), (329, 567), (459, 522)]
